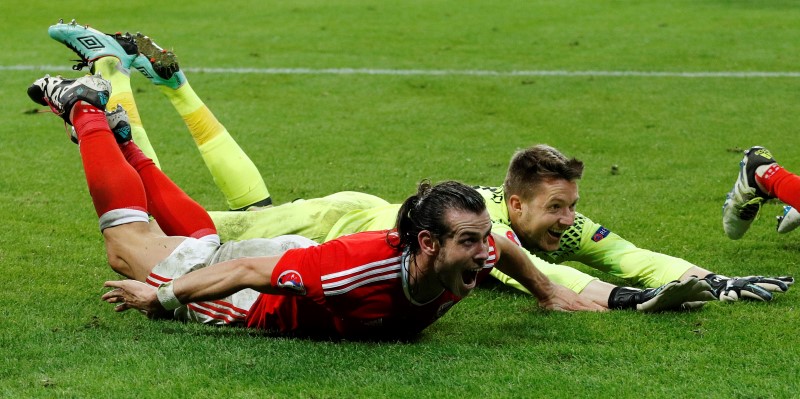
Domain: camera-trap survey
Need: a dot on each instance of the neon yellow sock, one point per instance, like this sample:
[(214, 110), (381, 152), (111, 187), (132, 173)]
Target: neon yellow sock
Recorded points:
[(233, 171), (121, 93)]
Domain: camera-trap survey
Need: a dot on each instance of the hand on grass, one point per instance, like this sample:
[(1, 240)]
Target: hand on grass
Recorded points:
[(132, 294), (566, 300)]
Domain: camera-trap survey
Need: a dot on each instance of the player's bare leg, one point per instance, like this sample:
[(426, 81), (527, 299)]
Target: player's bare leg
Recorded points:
[(122, 181), (124, 248)]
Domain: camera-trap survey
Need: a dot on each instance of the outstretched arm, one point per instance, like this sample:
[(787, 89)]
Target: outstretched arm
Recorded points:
[(513, 262), (604, 250), (210, 283)]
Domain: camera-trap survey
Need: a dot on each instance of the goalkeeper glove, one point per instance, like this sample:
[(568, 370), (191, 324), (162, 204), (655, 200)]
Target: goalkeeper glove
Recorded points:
[(691, 293), (760, 288)]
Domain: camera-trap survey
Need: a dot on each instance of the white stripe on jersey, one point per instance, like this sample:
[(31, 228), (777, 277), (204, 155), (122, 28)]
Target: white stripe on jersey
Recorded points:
[(218, 310), (364, 282), (225, 307), (492, 259), (357, 269), (362, 275), (156, 280), (210, 312)]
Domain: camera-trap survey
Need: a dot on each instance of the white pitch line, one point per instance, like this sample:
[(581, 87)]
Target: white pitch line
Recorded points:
[(446, 72)]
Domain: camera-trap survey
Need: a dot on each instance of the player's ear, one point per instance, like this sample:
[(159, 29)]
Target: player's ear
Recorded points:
[(514, 203), (428, 244)]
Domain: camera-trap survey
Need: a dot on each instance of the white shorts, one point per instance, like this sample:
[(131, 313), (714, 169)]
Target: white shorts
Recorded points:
[(193, 254)]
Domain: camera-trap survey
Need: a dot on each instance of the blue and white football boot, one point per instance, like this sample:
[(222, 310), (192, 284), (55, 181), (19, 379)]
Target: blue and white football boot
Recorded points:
[(91, 44)]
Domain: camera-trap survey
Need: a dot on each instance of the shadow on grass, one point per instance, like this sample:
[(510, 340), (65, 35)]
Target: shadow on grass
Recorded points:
[(227, 332)]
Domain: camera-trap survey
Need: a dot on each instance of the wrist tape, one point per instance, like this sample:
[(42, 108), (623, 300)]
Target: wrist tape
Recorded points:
[(166, 295)]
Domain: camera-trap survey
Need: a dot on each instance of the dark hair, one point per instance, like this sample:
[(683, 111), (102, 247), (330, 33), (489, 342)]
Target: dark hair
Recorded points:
[(531, 166), (426, 210)]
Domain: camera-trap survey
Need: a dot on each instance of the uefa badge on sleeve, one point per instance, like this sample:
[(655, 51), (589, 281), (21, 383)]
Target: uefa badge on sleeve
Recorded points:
[(513, 237), (291, 281), (600, 234)]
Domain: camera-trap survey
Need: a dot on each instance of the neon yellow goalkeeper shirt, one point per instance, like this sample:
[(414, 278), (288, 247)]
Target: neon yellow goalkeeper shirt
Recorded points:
[(591, 244)]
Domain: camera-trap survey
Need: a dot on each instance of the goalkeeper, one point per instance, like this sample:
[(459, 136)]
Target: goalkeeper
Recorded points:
[(538, 197)]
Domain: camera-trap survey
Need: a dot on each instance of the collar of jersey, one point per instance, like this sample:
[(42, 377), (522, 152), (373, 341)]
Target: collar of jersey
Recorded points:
[(404, 263), (504, 208)]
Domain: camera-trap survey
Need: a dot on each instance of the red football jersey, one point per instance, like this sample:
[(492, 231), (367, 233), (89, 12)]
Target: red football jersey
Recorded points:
[(356, 285)]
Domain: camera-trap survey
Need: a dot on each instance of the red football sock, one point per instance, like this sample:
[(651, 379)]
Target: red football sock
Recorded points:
[(781, 183), (113, 184), (176, 213)]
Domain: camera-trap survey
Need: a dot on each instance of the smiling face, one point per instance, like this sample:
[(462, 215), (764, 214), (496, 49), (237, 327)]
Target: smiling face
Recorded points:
[(541, 220), (463, 252)]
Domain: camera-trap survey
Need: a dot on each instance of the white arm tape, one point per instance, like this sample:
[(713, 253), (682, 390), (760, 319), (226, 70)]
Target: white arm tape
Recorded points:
[(166, 295)]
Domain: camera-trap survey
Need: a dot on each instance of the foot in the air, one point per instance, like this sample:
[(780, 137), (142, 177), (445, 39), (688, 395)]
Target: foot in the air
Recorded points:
[(789, 221), (119, 124), (61, 94), (745, 198), (91, 44), (157, 64)]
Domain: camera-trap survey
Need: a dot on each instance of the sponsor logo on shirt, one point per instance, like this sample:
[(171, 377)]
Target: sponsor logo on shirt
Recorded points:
[(292, 281), (600, 234)]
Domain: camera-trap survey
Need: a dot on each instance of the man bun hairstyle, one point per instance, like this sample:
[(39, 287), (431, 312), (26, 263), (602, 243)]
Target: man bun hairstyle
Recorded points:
[(426, 210), (531, 166)]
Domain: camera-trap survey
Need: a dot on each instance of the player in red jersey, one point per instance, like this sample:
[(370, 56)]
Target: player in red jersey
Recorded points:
[(323, 219), (368, 284)]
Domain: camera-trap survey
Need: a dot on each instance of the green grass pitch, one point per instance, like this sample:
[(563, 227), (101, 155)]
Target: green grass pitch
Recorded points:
[(668, 91)]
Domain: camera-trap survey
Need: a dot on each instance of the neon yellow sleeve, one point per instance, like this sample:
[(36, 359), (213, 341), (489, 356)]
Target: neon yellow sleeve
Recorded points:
[(595, 246)]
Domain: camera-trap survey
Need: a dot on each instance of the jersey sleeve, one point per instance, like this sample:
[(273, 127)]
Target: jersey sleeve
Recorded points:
[(298, 272), (596, 246)]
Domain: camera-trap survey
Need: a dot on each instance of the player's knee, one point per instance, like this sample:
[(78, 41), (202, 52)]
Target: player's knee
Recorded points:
[(116, 252), (119, 265)]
